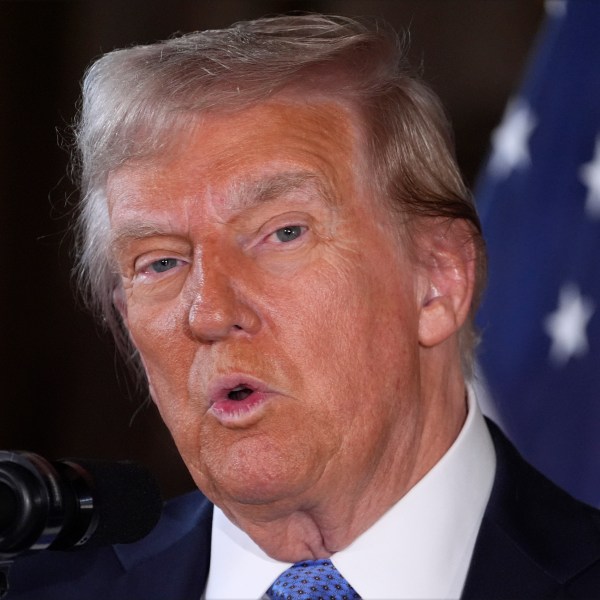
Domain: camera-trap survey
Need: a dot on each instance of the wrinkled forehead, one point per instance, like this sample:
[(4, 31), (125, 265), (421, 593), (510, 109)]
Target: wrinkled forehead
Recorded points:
[(161, 126), (283, 142)]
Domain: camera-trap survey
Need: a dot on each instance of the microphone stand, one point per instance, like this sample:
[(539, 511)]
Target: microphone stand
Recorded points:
[(7, 510), (5, 566)]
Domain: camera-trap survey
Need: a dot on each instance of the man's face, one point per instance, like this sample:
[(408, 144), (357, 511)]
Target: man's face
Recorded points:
[(272, 305)]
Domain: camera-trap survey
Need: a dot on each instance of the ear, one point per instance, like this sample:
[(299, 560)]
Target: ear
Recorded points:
[(447, 258)]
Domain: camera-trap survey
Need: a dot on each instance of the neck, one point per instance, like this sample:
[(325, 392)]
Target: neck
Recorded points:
[(318, 525)]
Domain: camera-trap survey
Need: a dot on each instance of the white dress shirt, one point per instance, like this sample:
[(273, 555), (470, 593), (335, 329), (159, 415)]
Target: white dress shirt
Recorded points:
[(420, 548)]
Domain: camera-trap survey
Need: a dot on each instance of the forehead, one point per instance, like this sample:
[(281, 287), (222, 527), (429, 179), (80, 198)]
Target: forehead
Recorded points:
[(252, 152)]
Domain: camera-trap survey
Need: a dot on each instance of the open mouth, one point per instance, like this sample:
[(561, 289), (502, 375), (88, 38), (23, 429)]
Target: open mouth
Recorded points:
[(236, 399), (240, 392)]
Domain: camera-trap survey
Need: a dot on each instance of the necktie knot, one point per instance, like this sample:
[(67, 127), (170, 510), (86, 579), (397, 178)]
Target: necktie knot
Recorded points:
[(312, 580)]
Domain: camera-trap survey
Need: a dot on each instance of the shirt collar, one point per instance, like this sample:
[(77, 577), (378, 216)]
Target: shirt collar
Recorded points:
[(420, 548)]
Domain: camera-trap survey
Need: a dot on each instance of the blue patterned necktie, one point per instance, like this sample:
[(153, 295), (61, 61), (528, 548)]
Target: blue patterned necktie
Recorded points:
[(312, 580)]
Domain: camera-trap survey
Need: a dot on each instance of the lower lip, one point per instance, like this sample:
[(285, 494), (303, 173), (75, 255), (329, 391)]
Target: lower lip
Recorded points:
[(238, 413)]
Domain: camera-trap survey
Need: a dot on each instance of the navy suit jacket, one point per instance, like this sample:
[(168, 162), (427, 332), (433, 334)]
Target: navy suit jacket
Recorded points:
[(535, 541)]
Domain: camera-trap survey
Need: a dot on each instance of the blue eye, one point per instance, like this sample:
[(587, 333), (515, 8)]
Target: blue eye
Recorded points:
[(164, 264), (289, 233)]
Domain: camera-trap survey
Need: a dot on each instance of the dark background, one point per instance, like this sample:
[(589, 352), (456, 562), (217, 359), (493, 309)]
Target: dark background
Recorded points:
[(63, 389)]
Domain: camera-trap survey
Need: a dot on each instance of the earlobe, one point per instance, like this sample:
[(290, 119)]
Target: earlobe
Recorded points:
[(438, 320), (447, 261)]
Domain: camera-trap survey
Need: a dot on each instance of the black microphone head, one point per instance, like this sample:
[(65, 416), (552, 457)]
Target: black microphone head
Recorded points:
[(66, 504), (125, 498)]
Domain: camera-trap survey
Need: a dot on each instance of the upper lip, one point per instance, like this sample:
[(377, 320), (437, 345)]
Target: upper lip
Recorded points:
[(219, 387)]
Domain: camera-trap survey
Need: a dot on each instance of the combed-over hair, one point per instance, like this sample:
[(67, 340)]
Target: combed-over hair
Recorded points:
[(137, 100)]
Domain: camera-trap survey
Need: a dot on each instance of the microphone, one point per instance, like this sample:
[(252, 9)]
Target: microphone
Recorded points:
[(71, 503)]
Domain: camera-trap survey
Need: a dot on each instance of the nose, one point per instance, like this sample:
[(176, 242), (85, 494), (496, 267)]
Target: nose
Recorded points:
[(219, 308)]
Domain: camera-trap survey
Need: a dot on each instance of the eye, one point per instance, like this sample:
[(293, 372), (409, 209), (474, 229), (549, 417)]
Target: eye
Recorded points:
[(289, 233), (162, 265)]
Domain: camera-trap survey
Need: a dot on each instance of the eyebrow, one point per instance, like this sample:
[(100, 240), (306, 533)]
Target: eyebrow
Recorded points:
[(135, 231), (248, 194), (244, 195)]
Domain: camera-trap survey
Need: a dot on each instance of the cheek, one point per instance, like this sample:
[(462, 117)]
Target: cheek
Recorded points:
[(351, 324), (356, 338), (165, 352)]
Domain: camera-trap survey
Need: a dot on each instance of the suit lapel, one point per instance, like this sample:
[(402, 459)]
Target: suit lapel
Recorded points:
[(173, 563), (500, 569), (533, 538)]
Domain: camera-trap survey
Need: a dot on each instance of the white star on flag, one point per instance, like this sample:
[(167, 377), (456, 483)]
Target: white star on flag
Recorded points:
[(590, 175), (567, 325), (510, 140), (541, 314), (556, 8)]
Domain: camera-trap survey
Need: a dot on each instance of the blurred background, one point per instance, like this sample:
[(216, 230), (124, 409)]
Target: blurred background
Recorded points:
[(64, 391)]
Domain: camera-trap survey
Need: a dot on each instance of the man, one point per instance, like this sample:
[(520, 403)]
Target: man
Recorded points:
[(274, 221)]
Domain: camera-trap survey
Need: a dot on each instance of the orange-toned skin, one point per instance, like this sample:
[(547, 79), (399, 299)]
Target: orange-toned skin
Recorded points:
[(350, 339)]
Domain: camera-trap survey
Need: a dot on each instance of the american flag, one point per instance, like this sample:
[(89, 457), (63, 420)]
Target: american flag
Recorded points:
[(539, 199)]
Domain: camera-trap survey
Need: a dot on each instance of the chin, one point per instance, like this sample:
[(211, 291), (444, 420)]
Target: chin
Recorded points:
[(257, 473)]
